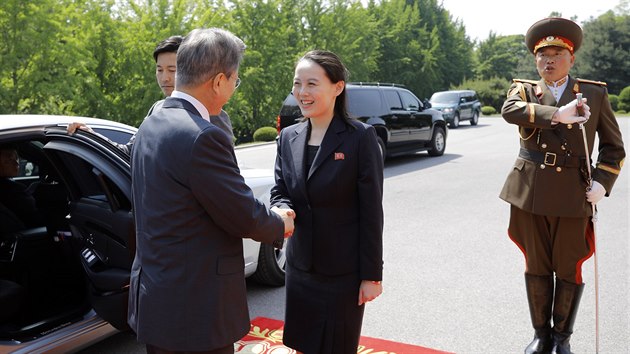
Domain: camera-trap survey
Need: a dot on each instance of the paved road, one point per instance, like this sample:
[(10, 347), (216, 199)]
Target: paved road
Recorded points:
[(453, 280)]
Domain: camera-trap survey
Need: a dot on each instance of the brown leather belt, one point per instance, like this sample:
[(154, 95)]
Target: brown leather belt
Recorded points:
[(551, 158)]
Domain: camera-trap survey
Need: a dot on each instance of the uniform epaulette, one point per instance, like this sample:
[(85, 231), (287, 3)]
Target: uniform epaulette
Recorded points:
[(533, 82), (600, 83)]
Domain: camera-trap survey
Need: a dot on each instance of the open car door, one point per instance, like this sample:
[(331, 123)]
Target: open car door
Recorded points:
[(100, 218)]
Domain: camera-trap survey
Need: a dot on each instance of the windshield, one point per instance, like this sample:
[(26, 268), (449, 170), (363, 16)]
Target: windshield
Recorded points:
[(444, 97)]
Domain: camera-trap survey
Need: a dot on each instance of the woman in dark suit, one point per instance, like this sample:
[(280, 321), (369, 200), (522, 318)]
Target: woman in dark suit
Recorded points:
[(329, 169)]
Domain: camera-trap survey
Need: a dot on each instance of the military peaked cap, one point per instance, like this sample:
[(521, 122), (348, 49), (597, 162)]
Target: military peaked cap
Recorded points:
[(554, 31)]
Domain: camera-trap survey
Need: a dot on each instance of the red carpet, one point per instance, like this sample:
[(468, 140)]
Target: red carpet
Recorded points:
[(265, 337)]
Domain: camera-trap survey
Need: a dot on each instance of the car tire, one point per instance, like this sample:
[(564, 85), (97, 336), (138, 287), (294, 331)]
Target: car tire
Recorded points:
[(271, 265), (438, 142), (455, 123), (475, 118), (382, 147)]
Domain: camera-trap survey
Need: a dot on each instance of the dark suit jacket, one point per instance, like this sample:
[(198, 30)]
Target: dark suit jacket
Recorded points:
[(22, 204), (222, 121), (192, 208), (338, 203), (549, 191)]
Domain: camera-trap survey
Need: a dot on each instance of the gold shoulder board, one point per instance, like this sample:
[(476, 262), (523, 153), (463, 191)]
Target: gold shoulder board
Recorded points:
[(532, 82), (600, 83)]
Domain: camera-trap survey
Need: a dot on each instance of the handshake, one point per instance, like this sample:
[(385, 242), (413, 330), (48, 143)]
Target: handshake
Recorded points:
[(572, 113), (287, 215)]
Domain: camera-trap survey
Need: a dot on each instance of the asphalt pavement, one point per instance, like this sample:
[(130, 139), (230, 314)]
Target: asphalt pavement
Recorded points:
[(453, 280)]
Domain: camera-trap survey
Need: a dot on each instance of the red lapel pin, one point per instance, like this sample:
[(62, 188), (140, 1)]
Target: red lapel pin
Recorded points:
[(339, 156)]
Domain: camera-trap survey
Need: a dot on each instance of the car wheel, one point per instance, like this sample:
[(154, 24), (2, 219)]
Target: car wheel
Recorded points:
[(271, 265), (438, 142), (475, 118), (455, 123), (382, 147)]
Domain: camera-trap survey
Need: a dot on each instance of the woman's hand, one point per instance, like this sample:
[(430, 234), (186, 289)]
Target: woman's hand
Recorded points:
[(369, 290)]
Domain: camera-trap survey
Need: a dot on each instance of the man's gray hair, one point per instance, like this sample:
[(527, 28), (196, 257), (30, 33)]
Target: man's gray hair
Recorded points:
[(206, 52)]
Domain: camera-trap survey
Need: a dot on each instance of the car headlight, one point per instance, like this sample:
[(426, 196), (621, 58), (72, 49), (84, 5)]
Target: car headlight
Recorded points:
[(448, 110)]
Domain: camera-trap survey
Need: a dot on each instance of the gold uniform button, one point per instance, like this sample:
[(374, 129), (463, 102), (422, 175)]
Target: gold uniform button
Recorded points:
[(569, 126), (542, 166), (558, 169), (544, 146), (563, 147)]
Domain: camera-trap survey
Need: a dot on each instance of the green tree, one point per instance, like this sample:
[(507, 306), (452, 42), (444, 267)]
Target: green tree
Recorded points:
[(267, 29), (451, 50), (605, 52), (624, 99), (498, 56), (38, 55), (402, 41)]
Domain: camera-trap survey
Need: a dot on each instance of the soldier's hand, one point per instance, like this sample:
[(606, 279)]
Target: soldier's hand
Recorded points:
[(596, 193), (568, 114), (72, 127), (287, 216)]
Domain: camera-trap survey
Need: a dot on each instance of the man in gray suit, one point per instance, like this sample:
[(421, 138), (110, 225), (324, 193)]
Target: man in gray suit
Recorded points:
[(192, 208)]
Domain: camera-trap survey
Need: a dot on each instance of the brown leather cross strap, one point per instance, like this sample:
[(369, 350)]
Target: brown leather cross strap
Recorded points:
[(552, 159)]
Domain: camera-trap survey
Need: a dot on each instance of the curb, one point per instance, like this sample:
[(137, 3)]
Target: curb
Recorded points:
[(248, 145)]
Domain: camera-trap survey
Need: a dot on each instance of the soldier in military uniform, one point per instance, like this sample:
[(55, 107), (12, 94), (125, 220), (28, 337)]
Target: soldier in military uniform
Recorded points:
[(549, 187)]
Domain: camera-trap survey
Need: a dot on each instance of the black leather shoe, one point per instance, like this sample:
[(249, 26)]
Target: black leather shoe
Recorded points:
[(542, 344)]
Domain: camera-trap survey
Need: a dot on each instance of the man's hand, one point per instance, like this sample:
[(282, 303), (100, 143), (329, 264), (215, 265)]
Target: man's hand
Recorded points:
[(596, 193), (72, 127), (287, 216), (568, 114), (369, 290)]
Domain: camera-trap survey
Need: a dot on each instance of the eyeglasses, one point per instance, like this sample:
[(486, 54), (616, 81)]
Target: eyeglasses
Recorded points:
[(238, 82)]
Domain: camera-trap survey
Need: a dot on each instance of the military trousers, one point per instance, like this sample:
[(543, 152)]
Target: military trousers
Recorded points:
[(552, 244)]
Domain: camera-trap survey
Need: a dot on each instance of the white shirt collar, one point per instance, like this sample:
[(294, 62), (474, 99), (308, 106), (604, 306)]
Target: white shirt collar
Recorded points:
[(203, 111), (557, 88)]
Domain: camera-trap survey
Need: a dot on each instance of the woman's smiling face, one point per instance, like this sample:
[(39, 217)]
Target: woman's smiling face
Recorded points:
[(314, 91)]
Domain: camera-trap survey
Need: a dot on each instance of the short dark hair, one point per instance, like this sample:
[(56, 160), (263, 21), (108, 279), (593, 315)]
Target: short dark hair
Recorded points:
[(169, 45)]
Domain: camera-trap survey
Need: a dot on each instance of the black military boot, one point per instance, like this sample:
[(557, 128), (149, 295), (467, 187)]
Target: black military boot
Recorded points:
[(540, 298), (565, 308)]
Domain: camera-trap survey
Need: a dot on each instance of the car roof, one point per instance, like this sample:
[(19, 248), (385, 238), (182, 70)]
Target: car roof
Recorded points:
[(456, 91), (15, 121)]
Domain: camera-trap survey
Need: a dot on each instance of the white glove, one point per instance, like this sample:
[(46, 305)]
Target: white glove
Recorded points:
[(567, 114), (596, 193)]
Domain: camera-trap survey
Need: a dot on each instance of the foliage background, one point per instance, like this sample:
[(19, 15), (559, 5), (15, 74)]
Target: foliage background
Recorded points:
[(94, 57)]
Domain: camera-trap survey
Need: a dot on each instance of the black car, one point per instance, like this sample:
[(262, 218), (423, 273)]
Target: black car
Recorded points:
[(457, 106), (72, 268), (402, 123)]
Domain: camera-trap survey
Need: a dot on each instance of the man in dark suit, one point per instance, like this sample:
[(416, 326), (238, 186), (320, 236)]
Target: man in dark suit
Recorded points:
[(14, 195), (550, 189), (192, 208)]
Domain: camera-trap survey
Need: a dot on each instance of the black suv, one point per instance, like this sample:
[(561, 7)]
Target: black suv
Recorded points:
[(402, 123), (457, 106)]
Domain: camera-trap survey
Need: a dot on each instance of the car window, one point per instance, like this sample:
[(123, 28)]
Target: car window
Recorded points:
[(28, 168), (364, 103), (121, 137), (445, 97), (410, 102), (393, 100), (93, 184)]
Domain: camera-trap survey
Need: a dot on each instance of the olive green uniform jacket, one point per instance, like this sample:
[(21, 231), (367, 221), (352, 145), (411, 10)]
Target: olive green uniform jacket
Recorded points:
[(548, 187)]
